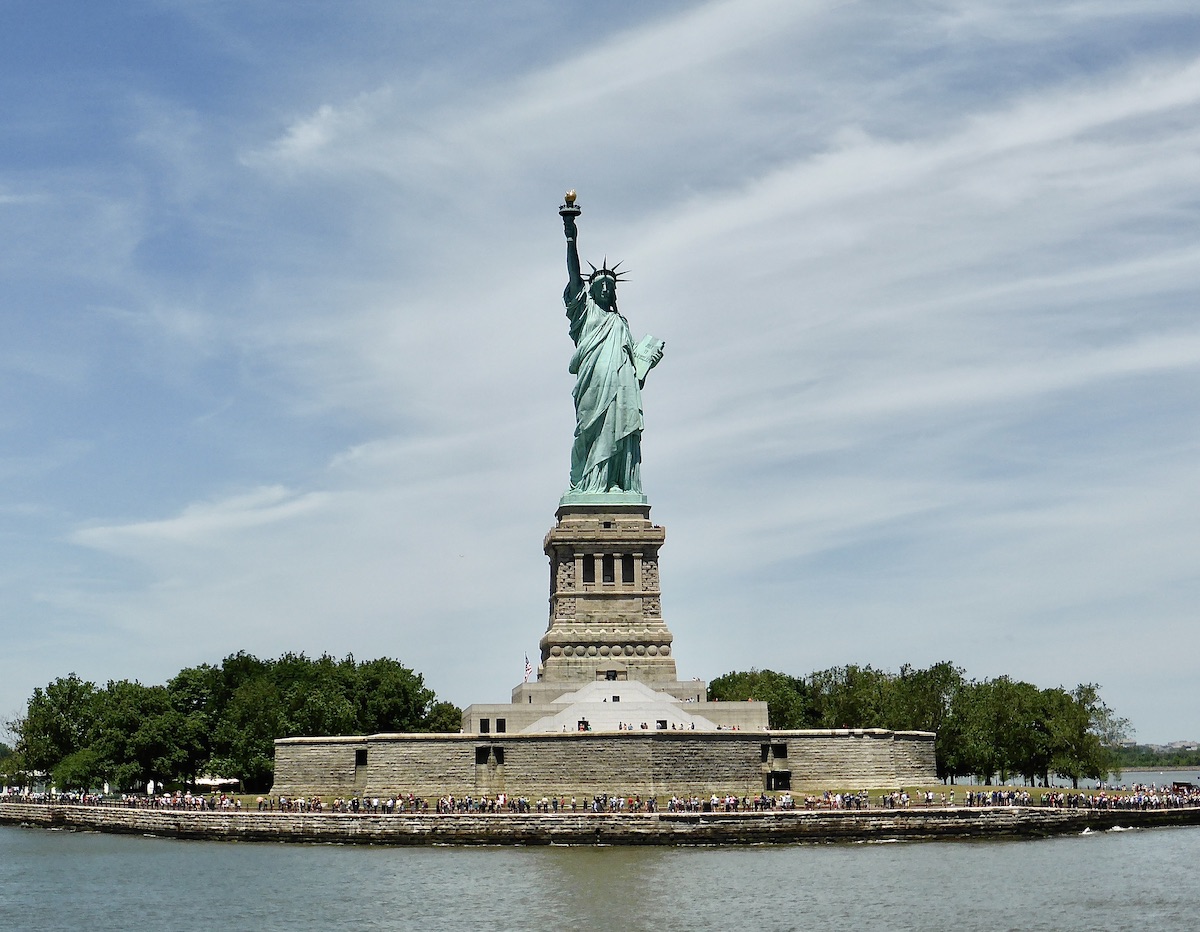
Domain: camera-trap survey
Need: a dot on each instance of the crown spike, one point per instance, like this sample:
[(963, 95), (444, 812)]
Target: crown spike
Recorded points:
[(613, 273)]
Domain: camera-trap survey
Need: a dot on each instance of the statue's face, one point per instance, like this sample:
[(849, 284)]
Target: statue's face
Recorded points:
[(604, 292)]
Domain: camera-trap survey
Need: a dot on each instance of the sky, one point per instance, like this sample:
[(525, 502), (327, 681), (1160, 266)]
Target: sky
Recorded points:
[(284, 357)]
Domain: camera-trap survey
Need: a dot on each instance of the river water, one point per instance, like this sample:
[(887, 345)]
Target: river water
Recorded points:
[(1117, 880), (1147, 777)]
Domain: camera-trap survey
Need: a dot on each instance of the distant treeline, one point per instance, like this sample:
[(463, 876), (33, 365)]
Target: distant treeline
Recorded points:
[(1000, 727), (219, 720), (1139, 756)]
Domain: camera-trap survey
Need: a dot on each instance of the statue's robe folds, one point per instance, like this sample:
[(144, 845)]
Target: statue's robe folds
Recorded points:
[(607, 452)]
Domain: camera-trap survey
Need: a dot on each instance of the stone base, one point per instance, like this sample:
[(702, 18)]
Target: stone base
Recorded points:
[(603, 499), (605, 597), (608, 706)]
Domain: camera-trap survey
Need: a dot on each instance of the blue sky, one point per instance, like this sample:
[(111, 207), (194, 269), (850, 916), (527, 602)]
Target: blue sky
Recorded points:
[(284, 364)]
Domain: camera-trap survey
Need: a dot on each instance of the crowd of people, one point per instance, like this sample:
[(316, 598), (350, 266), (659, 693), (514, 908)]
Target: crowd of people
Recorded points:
[(501, 802), (1141, 798), (1135, 797), (177, 800), (197, 802), (999, 798), (714, 803)]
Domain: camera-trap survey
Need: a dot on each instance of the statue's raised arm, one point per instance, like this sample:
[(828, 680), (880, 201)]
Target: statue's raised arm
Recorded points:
[(609, 370), (569, 212)]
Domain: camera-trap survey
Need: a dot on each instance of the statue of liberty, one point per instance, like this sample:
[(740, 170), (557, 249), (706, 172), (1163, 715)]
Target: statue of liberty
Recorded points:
[(610, 370)]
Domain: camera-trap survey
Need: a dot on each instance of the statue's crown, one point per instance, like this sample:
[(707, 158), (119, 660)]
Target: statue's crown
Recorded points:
[(605, 270)]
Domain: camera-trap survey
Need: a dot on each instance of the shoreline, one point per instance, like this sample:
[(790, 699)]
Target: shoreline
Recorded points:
[(531, 829)]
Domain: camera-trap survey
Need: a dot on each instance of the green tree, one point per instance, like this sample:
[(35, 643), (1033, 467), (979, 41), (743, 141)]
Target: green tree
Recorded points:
[(443, 717), (1086, 735), (236, 670), (392, 698), (253, 719), (317, 695), (56, 723), (786, 697), (1007, 738), (222, 718), (139, 736), (922, 700), (1112, 730), (926, 700), (850, 697), (83, 770), (978, 752), (193, 694), (12, 767)]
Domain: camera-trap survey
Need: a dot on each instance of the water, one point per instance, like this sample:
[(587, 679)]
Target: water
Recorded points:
[(1143, 880), (1125, 778), (1161, 777)]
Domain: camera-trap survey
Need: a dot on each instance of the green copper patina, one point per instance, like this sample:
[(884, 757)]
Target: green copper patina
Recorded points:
[(610, 370)]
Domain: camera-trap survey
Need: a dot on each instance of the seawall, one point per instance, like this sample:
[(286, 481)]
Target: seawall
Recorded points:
[(662, 828)]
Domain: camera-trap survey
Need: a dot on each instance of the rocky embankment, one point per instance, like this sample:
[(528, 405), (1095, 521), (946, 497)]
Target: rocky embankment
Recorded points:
[(662, 828)]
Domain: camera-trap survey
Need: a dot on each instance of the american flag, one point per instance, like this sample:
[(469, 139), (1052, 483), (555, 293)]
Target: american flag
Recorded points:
[(528, 668)]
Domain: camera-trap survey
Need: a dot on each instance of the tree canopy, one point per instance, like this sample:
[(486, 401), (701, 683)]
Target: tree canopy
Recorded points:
[(1000, 727), (225, 719), (219, 719)]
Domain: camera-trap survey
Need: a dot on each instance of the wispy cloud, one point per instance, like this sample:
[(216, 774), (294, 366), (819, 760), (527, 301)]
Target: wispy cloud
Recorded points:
[(205, 522)]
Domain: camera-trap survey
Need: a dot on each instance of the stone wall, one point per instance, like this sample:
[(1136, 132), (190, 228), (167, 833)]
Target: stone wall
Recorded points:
[(913, 756), (632, 763), (587, 829), (320, 762), (583, 764), (425, 765), (860, 758)]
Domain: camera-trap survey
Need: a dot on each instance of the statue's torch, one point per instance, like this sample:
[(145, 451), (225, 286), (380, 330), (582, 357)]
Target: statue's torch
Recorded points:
[(569, 209)]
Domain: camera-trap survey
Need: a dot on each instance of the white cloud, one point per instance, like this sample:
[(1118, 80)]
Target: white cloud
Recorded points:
[(204, 522)]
